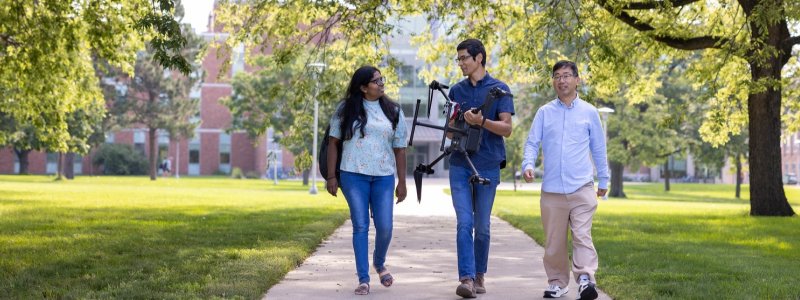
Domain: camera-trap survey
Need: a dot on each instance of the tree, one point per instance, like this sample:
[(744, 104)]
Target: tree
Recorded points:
[(751, 32), (281, 90), (747, 45), (46, 49), (158, 99)]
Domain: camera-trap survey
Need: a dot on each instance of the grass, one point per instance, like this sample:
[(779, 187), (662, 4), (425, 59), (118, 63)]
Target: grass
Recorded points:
[(128, 237), (694, 242)]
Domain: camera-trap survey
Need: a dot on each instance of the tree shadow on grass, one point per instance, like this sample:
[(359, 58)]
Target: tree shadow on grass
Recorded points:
[(65, 252)]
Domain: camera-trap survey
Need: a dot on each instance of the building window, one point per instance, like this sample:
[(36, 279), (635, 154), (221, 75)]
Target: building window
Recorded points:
[(194, 152), (138, 141), (110, 137), (194, 155), (225, 152), (237, 61), (52, 163)]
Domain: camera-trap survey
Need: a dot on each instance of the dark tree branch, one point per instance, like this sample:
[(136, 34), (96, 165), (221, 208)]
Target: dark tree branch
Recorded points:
[(789, 43), (7, 40), (657, 4), (683, 43)]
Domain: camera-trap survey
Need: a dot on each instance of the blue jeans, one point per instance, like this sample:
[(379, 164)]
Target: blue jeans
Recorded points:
[(362, 193), (473, 254)]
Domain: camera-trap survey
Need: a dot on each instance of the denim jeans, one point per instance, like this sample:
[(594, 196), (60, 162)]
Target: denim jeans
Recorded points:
[(473, 253), (365, 192)]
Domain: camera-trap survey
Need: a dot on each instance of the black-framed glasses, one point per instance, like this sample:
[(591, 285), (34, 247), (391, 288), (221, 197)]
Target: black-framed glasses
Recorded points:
[(462, 58), (379, 80), (565, 77)]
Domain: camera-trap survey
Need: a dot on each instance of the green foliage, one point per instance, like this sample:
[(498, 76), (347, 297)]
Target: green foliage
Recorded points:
[(623, 48), (156, 101), (128, 237), (237, 173), (47, 48), (120, 159)]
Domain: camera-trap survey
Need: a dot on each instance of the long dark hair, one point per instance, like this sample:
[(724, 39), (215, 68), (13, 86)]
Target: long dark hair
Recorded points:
[(352, 114)]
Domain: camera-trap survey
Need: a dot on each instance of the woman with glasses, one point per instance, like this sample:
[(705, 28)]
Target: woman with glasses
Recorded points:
[(373, 134)]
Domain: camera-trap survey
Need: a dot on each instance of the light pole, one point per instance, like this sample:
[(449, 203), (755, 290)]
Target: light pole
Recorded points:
[(605, 111), (318, 67), (177, 166)]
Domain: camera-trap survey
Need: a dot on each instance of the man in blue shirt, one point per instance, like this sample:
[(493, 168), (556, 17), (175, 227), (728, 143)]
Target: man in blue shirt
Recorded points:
[(568, 130), (473, 214)]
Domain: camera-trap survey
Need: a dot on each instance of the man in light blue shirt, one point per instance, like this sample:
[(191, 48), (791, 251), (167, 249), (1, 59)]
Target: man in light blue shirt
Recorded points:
[(568, 130)]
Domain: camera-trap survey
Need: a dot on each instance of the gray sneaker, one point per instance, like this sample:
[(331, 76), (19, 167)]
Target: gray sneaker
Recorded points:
[(554, 291), (466, 289), (479, 288)]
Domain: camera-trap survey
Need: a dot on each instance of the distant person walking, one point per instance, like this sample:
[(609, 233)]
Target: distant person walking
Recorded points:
[(568, 130), (166, 167), (373, 132)]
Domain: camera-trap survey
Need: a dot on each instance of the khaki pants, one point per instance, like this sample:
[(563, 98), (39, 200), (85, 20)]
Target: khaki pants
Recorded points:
[(571, 211)]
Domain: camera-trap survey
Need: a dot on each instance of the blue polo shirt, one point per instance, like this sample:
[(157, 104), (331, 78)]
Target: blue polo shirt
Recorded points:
[(492, 150)]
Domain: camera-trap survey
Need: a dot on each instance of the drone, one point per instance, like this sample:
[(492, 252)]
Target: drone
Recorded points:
[(465, 138)]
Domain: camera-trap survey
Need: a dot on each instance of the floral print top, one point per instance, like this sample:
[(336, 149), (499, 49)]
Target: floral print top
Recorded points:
[(373, 154)]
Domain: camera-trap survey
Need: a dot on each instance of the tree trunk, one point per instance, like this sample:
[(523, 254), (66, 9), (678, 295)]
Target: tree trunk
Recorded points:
[(69, 165), (514, 175), (24, 162), (738, 163), (60, 166), (666, 175), (767, 197), (153, 156), (616, 180), (305, 177)]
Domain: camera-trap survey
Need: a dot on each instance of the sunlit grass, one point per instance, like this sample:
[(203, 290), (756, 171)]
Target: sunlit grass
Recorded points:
[(129, 237), (694, 242)]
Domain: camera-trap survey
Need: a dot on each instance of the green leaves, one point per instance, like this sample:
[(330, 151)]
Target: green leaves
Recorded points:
[(47, 50)]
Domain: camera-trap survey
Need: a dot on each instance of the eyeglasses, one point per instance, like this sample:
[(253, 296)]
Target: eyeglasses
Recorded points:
[(565, 77), (379, 80), (462, 58)]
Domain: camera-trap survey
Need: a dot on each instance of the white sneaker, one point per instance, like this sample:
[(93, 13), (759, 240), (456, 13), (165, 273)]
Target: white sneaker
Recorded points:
[(586, 291), (554, 291)]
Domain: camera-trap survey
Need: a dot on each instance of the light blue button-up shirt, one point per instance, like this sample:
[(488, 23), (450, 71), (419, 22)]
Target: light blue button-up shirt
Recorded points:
[(567, 136)]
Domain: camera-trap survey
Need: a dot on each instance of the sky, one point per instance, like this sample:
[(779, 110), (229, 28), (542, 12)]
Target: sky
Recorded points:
[(197, 13)]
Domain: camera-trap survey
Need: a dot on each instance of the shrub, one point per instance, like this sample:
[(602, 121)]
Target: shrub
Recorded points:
[(120, 159), (237, 173), (252, 175)]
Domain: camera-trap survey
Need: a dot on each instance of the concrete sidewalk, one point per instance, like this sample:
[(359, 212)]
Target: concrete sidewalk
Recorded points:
[(422, 259)]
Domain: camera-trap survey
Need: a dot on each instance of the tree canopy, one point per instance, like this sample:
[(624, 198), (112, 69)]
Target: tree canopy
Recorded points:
[(743, 47), (47, 48)]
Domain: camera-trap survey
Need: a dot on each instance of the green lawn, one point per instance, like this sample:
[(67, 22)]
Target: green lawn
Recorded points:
[(128, 237), (695, 242)]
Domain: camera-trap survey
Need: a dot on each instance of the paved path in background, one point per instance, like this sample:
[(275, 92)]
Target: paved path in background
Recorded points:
[(422, 258)]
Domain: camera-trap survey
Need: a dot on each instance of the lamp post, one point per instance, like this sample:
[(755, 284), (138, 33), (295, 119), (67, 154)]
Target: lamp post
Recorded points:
[(604, 111), (318, 67), (177, 165)]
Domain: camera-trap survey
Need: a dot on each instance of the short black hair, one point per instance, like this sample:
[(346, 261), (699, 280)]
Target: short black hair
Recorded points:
[(473, 47), (565, 63)]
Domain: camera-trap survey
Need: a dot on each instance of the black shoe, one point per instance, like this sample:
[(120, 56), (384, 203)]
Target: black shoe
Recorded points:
[(587, 291)]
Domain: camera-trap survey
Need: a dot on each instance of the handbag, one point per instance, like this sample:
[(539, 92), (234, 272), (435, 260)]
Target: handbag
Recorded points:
[(322, 159)]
